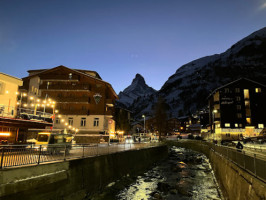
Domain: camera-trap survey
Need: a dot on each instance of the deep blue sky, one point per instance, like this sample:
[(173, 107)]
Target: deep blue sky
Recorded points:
[(119, 38)]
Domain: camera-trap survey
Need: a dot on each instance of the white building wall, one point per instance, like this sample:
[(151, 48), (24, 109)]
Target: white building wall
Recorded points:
[(8, 94), (104, 124)]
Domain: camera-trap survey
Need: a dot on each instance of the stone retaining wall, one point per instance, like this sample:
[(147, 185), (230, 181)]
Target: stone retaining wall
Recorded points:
[(235, 182)]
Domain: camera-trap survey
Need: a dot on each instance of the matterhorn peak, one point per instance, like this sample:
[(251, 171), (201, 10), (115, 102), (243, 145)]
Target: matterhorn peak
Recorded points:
[(138, 80), (137, 89)]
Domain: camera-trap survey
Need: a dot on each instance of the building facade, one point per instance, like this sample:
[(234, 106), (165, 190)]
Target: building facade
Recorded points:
[(237, 109), (8, 94), (83, 101), (13, 128)]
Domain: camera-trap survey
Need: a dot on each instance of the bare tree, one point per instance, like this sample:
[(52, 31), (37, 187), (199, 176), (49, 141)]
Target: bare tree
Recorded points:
[(160, 115)]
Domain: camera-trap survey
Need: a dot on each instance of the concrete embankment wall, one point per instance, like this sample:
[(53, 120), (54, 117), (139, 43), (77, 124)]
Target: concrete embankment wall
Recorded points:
[(75, 179), (235, 182)]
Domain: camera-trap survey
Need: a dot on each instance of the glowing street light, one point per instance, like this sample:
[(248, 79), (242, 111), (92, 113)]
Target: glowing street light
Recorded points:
[(144, 122)]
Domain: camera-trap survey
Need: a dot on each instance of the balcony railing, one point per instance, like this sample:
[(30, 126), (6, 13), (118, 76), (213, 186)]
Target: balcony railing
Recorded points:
[(66, 87), (25, 113), (59, 77), (74, 112), (72, 99)]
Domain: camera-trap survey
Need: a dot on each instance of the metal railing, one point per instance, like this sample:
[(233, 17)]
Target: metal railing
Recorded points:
[(19, 155), (254, 163)]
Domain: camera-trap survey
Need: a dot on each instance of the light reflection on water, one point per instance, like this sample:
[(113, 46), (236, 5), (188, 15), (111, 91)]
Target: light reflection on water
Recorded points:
[(193, 181)]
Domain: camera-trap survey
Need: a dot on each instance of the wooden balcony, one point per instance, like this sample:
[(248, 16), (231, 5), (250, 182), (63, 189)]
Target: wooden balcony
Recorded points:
[(109, 102), (74, 112), (72, 99), (60, 77), (66, 87)]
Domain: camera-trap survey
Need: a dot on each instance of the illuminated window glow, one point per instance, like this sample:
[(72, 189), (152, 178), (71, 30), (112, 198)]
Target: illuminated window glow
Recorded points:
[(246, 93), (258, 90), (260, 125), (227, 124)]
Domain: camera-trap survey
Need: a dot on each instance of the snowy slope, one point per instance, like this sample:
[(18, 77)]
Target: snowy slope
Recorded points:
[(187, 90)]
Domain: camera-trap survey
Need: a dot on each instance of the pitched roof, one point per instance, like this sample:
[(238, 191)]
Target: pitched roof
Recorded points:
[(223, 86), (76, 71)]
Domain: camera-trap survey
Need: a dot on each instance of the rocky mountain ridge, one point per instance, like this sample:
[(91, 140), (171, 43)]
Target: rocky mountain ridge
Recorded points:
[(187, 90), (137, 89)]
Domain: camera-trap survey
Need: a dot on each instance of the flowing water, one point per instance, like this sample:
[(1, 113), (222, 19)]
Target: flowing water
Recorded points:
[(184, 175)]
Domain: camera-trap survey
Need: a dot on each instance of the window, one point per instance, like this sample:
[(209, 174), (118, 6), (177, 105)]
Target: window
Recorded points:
[(248, 120), (83, 108), (246, 93), (238, 107), (236, 125), (227, 124), (70, 76), (260, 125), (237, 90), (57, 121), (96, 122), (217, 125), (83, 122), (226, 90), (2, 87), (238, 98), (70, 121), (240, 125), (257, 90), (239, 115)]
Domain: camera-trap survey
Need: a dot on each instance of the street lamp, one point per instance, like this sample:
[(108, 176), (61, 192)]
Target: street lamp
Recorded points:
[(213, 121), (144, 122)]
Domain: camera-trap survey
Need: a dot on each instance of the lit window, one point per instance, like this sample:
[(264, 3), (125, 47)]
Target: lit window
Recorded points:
[(70, 121), (258, 90), (70, 76), (240, 125), (239, 115), (260, 125), (83, 122), (246, 93), (237, 90), (96, 122), (57, 121), (236, 125), (227, 124), (248, 120)]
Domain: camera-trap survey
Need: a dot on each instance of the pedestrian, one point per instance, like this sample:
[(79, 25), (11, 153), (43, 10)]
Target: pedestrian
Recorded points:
[(239, 146)]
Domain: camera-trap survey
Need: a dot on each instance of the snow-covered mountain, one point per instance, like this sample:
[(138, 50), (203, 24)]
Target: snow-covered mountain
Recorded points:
[(187, 90), (137, 89)]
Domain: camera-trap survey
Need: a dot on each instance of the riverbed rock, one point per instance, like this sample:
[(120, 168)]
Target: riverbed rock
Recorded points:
[(156, 196), (173, 191), (163, 187)]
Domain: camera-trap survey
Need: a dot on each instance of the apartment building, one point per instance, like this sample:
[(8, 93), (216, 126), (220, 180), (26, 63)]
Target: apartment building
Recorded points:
[(237, 109), (84, 103), (13, 129)]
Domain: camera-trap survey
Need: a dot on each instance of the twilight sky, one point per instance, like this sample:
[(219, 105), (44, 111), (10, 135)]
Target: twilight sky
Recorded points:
[(119, 38)]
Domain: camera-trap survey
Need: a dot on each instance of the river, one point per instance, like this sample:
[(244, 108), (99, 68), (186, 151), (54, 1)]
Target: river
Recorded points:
[(184, 175)]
